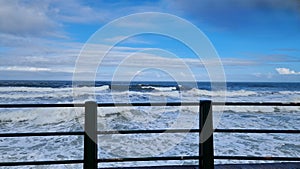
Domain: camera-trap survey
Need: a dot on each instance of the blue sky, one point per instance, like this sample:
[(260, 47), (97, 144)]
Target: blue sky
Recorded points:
[(257, 40)]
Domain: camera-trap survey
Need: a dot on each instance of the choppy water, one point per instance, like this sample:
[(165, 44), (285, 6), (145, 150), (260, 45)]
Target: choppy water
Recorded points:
[(71, 119)]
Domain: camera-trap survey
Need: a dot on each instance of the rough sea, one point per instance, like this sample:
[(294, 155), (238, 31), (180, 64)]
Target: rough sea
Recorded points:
[(15, 120)]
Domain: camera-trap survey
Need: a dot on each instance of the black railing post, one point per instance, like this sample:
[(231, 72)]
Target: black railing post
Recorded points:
[(90, 136), (206, 149)]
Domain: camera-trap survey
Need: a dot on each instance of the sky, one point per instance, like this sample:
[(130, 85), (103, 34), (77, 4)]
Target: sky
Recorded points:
[(256, 40)]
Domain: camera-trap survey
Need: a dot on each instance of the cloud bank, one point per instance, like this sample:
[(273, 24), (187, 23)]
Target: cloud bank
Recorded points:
[(287, 71)]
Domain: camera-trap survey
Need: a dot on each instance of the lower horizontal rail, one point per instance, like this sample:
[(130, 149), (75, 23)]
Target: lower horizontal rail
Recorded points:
[(148, 131), (256, 131), (257, 158), (150, 159), (40, 163), (41, 134), (197, 131)]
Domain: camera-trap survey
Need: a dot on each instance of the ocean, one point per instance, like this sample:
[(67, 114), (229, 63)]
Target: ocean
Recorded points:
[(123, 118)]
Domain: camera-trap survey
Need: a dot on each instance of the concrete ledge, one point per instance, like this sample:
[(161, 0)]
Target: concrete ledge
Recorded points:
[(286, 165), (158, 167)]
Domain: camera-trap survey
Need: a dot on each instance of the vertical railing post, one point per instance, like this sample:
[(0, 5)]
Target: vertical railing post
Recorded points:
[(206, 149), (90, 136)]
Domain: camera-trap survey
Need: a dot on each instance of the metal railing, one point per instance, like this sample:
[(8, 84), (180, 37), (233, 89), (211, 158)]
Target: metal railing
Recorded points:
[(267, 131), (206, 150)]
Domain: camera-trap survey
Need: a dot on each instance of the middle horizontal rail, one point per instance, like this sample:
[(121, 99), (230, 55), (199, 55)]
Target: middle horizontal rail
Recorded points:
[(149, 132), (197, 131), (149, 104), (256, 131), (41, 134)]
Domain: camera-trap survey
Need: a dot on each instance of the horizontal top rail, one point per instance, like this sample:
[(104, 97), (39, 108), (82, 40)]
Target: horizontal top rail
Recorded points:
[(104, 132), (40, 162), (100, 104), (257, 131), (75, 133), (256, 103), (41, 105), (150, 104)]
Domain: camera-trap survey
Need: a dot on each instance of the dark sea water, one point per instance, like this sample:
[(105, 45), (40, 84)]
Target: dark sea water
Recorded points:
[(71, 119)]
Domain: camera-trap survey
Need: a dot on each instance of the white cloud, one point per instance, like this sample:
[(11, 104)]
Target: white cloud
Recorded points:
[(287, 71), (257, 74), (34, 69), (36, 18), (75, 11), (263, 75), (127, 39), (63, 55), (20, 18), (23, 69)]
